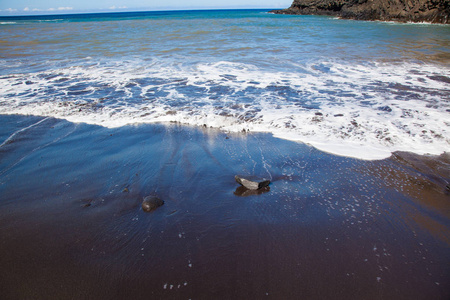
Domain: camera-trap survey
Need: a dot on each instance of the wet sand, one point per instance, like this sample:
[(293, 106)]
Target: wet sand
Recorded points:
[(329, 227)]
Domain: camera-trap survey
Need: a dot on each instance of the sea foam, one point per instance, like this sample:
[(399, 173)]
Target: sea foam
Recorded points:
[(364, 111)]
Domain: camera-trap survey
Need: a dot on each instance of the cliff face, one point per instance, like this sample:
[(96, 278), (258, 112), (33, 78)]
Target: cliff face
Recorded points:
[(434, 11)]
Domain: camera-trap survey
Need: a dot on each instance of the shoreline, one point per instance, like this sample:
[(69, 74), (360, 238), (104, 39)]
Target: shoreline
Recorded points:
[(71, 222), (343, 148)]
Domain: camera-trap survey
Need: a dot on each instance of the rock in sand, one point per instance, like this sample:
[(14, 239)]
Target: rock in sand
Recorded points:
[(251, 185), (151, 203)]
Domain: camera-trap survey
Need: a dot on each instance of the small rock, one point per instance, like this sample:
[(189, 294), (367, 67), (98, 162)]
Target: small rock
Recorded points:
[(251, 185), (151, 202), (339, 115), (125, 190)]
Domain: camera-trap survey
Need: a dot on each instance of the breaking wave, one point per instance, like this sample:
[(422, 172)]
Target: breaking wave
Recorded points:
[(365, 111)]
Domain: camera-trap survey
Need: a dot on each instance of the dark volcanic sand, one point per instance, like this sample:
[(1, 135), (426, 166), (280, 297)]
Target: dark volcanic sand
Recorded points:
[(72, 226)]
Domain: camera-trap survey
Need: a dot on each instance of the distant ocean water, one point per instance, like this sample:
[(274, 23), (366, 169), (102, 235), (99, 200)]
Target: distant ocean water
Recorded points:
[(353, 88)]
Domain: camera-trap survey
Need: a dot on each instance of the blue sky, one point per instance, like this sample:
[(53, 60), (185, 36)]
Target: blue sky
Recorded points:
[(29, 7)]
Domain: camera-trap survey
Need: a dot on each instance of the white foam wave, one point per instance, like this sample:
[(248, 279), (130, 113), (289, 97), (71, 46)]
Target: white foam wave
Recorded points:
[(365, 111)]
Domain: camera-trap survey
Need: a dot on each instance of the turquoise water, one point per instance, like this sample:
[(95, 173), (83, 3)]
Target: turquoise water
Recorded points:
[(354, 88)]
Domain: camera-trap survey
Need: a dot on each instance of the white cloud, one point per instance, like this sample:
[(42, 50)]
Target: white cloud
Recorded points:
[(118, 7), (48, 9), (60, 8), (11, 9)]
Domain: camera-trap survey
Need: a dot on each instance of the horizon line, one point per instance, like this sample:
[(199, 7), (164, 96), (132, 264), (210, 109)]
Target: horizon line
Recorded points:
[(129, 10)]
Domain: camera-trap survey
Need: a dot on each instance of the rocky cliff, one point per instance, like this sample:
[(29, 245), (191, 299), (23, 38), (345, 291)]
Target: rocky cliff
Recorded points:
[(434, 11)]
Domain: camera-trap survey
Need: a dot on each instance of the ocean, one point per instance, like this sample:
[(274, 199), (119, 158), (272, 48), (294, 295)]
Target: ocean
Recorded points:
[(352, 88), (100, 111)]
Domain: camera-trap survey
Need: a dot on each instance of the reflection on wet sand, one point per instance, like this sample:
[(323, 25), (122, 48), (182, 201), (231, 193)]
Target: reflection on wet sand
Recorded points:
[(244, 192), (424, 179)]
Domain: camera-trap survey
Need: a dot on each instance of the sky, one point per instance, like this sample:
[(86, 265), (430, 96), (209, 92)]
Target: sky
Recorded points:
[(31, 7)]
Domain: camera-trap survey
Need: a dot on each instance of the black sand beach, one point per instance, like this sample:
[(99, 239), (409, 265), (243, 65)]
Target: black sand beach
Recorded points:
[(72, 226)]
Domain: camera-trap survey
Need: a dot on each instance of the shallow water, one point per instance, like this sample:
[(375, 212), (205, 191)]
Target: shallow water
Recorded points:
[(71, 223), (361, 89)]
